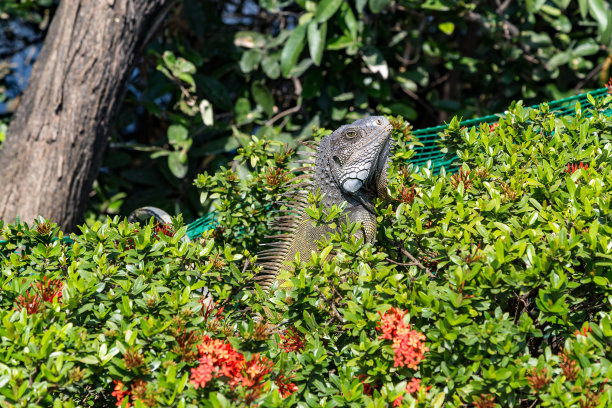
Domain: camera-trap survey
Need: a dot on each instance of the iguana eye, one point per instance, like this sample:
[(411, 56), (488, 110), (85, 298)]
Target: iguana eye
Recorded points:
[(351, 134)]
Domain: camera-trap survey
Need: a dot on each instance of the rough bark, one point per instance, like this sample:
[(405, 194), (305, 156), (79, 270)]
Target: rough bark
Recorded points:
[(55, 142)]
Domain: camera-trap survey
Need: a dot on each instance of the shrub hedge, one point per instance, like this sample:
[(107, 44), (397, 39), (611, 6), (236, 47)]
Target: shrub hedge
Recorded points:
[(488, 287)]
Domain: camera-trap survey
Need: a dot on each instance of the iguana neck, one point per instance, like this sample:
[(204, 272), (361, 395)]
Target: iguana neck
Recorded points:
[(324, 180)]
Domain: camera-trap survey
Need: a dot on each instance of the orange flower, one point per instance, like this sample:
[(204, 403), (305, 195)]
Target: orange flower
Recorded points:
[(414, 385), (408, 348), (203, 373), (583, 332), (285, 387), (389, 322), (31, 302), (407, 345), (292, 340), (255, 370), (120, 394), (50, 288)]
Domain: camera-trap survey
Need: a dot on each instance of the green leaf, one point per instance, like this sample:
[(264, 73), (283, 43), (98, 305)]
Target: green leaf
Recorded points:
[(606, 34), (601, 281), (250, 39), (326, 9), (584, 8), (587, 47), (242, 109), (316, 41), (270, 67), (176, 164), (375, 61), (249, 60), (533, 6), (447, 28), (438, 400), (292, 49), (263, 97), (177, 134), (360, 5), (598, 11), (376, 6), (499, 251), (348, 17), (206, 112)]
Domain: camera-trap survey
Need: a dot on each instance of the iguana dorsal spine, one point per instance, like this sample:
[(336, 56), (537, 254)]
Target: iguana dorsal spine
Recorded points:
[(349, 165)]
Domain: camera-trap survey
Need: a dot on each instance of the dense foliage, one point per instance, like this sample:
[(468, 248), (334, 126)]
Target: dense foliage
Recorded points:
[(488, 287)]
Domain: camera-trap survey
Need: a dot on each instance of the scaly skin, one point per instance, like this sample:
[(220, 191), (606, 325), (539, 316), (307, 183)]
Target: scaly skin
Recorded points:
[(350, 165)]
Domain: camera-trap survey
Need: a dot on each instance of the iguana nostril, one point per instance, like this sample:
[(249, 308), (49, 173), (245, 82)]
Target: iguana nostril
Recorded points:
[(337, 160)]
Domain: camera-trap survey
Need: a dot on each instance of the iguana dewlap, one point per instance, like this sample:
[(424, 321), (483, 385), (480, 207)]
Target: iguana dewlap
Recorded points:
[(349, 165)]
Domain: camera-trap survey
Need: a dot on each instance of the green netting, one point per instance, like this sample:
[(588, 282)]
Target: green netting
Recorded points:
[(430, 154), (196, 228), (429, 136)]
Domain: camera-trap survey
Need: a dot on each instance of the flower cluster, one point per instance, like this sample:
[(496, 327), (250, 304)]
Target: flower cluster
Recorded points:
[(120, 394), (45, 292), (573, 167), (583, 332), (292, 340), (537, 379), (220, 360), (285, 387), (407, 194), (408, 345), (164, 228), (137, 392), (462, 177), (414, 385)]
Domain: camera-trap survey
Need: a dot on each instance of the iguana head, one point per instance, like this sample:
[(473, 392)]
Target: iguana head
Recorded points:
[(356, 151)]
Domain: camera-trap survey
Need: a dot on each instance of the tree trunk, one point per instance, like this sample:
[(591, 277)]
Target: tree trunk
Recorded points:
[(55, 142)]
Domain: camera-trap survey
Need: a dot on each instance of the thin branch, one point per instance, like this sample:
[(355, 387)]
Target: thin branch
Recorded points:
[(298, 91), (502, 7), (283, 114), (400, 263), (416, 262), (589, 76), (334, 312)]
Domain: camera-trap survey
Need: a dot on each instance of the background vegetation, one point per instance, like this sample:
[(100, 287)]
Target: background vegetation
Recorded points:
[(223, 70), (487, 288)]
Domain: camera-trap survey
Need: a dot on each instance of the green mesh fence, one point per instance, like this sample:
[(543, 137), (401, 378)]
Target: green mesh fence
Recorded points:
[(429, 136), (430, 154)]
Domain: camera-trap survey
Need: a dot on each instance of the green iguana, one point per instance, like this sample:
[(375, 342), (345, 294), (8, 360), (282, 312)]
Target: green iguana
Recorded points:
[(349, 165)]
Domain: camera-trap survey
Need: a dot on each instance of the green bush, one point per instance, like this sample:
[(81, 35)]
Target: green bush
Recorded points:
[(488, 287)]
